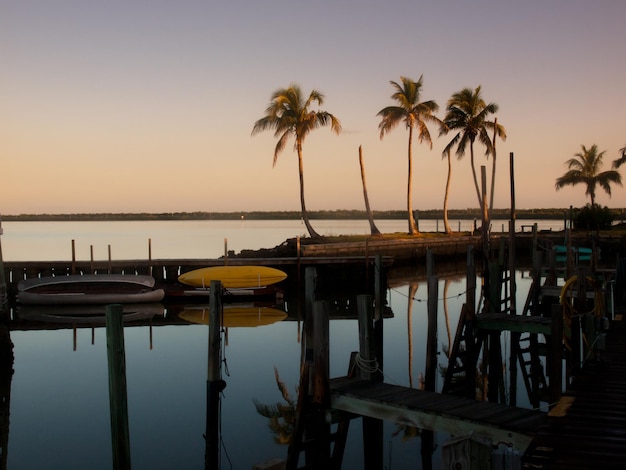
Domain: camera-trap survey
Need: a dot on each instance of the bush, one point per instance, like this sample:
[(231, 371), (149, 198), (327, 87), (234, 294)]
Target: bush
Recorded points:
[(593, 218)]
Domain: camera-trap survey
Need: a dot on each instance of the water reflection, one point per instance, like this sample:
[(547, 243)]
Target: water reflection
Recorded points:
[(6, 375), (281, 416), (166, 383)]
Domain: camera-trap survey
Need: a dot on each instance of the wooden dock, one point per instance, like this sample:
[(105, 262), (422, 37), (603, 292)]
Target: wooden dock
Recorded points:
[(433, 411), (397, 247), (587, 428)]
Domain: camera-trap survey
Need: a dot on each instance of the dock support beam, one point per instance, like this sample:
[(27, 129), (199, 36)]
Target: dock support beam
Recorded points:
[(117, 387), (215, 384), (372, 427)]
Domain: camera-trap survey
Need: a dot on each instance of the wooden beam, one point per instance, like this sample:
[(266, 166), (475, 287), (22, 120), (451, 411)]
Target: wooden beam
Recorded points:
[(517, 323)]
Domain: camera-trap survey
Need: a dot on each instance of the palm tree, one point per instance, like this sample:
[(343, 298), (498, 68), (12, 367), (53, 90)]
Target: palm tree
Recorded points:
[(370, 217), (621, 160), (414, 114), (585, 169), (289, 114), (467, 113)]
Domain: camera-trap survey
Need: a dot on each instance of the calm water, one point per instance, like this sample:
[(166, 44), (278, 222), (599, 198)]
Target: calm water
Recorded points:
[(59, 405)]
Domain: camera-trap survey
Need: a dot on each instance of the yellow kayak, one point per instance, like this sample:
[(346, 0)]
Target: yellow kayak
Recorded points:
[(233, 277), (236, 316)]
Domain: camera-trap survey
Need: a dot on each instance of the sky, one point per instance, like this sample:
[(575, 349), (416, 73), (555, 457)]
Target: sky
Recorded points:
[(148, 105)]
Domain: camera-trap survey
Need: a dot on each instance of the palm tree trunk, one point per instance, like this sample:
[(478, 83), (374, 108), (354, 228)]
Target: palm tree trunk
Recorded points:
[(305, 215), (446, 223), (409, 207), (373, 229), (480, 201)]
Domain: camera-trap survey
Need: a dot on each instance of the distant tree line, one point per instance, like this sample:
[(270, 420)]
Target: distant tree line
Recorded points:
[(431, 214)]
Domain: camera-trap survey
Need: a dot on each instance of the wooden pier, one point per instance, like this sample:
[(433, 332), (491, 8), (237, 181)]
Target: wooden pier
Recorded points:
[(587, 427), (457, 416)]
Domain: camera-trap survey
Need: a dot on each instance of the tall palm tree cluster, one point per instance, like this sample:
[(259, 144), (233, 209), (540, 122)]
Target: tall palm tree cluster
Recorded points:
[(467, 118)]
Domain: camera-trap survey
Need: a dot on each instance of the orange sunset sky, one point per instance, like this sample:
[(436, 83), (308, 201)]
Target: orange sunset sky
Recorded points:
[(148, 106)]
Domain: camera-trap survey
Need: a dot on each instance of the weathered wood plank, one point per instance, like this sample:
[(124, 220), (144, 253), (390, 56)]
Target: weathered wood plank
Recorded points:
[(516, 323), (433, 411)]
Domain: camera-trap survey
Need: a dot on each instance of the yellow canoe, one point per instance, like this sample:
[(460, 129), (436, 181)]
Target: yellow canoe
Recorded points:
[(236, 316), (233, 277)]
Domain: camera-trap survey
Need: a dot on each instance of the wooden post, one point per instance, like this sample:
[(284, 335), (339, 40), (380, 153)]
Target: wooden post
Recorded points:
[(379, 296), (513, 287), (470, 281), (73, 257), (555, 364), (298, 254), (316, 429), (117, 387), (91, 269), (430, 375), (372, 427), (310, 280), (321, 367), (512, 257), (110, 267), (215, 384), (4, 301), (150, 256), (430, 263), (485, 239), (569, 266), (366, 335), (576, 343)]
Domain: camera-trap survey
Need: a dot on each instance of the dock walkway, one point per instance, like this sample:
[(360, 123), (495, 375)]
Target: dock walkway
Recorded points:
[(587, 428), (435, 411)]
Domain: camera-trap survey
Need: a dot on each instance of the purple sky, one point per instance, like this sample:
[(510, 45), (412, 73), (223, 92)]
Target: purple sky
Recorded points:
[(148, 106)]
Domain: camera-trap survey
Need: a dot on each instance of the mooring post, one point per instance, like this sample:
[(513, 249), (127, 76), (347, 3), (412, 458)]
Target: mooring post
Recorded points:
[(555, 365), (310, 281), (372, 427), (366, 337), (313, 397), (470, 281), (3, 284), (321, 367), (215, 384), (431, 343), (379, 300), (430, 375), (91, 269), (150, 256), (117, 387), (73, 257), (110, 270)]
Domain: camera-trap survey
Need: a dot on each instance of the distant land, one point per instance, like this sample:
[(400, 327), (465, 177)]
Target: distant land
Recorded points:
[(434, 214)]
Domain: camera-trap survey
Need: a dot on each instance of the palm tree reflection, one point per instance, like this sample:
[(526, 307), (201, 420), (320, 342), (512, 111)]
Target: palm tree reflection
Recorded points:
[(281, 416)]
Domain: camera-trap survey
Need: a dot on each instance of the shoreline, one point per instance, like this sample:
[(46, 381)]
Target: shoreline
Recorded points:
[(431, 214)]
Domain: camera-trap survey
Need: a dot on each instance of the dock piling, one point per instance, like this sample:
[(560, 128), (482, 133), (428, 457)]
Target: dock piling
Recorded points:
[(215, 384), (117, 387)]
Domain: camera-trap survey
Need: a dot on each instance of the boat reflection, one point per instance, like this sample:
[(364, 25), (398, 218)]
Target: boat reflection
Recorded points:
[(235, 315), (86, 315)]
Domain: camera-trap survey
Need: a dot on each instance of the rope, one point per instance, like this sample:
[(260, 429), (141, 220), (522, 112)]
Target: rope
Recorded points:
[(368, 366), (415, 299)]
